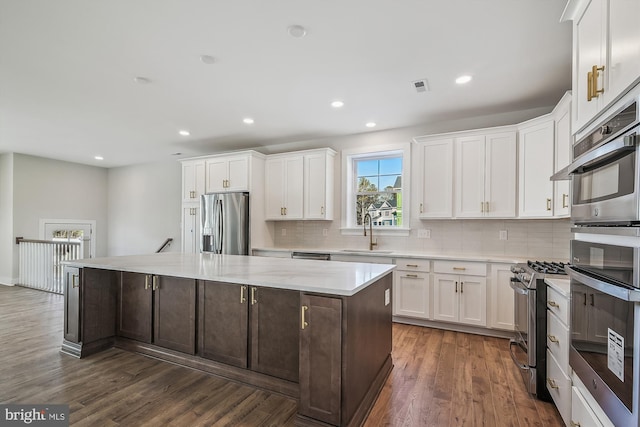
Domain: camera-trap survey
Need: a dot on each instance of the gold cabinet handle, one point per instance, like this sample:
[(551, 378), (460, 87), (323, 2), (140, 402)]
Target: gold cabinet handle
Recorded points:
[(553, 338), (281, 211), (461, 287), (589, 86), (552, 304), (321, 210), (155, 283), (574, 424), (421, 207), (74, 281), (146, 281), (303, 312), (459, 268), (242, 297), (548, 204), (285, 211), (486, 209), (412, 265), (253, 295), (564, 200), (552, 383), (481, 206), (594, 75), (411, 276)]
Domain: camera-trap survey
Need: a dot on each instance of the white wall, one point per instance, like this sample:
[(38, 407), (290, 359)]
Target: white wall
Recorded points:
[(53, 189), (6, 219), (144, 207)]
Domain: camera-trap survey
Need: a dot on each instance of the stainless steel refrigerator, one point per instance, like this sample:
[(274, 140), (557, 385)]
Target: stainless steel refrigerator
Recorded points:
[(225, 223)]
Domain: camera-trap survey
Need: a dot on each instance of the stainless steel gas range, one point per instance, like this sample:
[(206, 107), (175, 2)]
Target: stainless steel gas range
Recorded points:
[(528, 348)]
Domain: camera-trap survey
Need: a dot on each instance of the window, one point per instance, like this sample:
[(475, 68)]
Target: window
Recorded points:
[(374, 185)]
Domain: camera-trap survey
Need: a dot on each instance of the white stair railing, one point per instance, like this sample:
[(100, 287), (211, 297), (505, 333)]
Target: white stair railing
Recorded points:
[(41, 263)]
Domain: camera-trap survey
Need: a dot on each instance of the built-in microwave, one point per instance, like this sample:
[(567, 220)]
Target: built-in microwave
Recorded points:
[(605, 175), (605, 323)]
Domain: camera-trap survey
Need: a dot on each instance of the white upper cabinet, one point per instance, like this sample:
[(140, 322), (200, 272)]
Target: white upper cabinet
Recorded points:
[(536, 146), (486, 175), (436, 181), (563, 146), (228, 173), (606, 38), (299, 185), (193, 172), (283, 187), (318, 184)]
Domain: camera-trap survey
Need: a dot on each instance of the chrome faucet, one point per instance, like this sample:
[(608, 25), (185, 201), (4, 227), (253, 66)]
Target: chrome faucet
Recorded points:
[(364, 225)]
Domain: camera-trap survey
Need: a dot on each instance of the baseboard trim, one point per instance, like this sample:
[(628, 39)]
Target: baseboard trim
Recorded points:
[(454, 327)]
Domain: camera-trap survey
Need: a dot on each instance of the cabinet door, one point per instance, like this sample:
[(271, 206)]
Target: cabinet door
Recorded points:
[(500, 175), (411, 294), (223, 322), (563, 157), (275, 332), (502, 301), (135, 299), (445, 297), (99, 296), (318, 186), (217, 174), (536, 166), (321, 358), (588, 49), (623, 48), (294, 187), (72, 304), (470, 201), (274, 188), (437, 179), (193, 181), (473, 300), (175, 313), (581, 413), (191, 229), (238, 174)]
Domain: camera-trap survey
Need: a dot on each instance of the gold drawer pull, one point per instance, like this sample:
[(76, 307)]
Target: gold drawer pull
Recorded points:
[(574, 424), (552, 383), (253, 295), (411, 276), (242, 297), (459, 268), (548, 204), (412, 265), (302, 315), (155, 286), (553, 338), (553, 304)]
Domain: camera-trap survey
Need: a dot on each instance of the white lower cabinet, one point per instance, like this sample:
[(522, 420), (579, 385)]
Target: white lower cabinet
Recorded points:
[(411, 288), (191, 228), (501, 299), (559, 386), (460, 299), (558, 343)]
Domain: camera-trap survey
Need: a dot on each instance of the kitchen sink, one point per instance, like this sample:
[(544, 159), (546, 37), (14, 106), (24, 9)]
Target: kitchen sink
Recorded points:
[(364, 251)]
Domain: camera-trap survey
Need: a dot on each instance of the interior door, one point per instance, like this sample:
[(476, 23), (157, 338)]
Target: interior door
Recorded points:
[(73, 231)]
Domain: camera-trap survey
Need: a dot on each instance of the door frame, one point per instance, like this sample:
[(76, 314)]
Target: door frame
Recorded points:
[(91, 222)]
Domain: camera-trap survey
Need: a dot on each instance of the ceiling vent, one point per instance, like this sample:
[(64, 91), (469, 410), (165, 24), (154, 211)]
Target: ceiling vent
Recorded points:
[(421, 85)]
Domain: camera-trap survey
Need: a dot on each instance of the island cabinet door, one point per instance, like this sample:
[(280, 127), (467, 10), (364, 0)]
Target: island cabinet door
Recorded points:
[(135, 298), (174, 323), (320, 358), (223, 320), (275, 332), (72, 304)]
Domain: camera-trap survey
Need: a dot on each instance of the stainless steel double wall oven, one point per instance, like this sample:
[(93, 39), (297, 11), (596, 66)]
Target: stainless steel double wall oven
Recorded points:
[(605, 265)]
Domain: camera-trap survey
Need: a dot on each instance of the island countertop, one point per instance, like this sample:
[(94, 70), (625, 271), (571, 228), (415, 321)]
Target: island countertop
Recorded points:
[(325, 277)]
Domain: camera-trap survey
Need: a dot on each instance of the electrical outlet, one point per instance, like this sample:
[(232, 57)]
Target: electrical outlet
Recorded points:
[(387, 297), (424, 233), (325, 232), (503, 234), (284, 232)]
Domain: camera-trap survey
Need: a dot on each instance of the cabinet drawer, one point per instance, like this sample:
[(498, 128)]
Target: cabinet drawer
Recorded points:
[(558, 340), (558, 304), (559, 386), (462, 267), (410, 264)]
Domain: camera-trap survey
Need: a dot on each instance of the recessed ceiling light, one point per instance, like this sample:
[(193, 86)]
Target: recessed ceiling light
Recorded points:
[(207, 59), (371, 125), (248, 120), (297, 31), (184, 132), (98, 157), (141, 80), (337, 104), (463, 79)]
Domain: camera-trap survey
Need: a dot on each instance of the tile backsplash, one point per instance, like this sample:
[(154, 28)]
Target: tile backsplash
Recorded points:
[(542, 239)]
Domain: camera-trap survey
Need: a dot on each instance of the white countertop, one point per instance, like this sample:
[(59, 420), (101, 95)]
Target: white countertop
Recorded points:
[(326, 277), (401, 254), (560, 285)]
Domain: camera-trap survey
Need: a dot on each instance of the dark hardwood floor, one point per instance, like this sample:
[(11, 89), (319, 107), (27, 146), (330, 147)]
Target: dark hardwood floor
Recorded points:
[(440, 378)]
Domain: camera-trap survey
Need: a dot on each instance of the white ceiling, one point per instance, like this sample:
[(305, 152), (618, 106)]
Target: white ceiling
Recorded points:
[(67, 70)]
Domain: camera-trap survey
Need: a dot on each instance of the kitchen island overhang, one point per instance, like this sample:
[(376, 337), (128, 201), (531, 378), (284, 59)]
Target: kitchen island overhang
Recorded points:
[(317, 331)]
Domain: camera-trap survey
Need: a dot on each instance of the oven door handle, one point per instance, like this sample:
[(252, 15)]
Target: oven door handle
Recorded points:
[(519, 288), (513, 342), (617, 291), (603, 153)]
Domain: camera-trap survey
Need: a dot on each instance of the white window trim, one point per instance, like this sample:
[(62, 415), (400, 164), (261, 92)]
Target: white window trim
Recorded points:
[(347, 179)]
